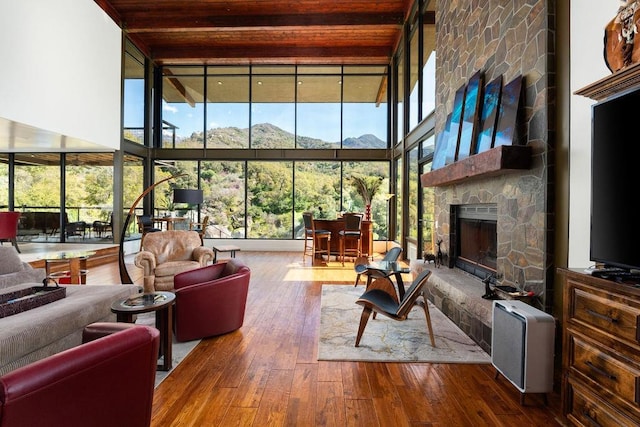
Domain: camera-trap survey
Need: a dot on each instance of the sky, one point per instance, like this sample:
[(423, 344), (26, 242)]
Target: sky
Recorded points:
[(324, 119)]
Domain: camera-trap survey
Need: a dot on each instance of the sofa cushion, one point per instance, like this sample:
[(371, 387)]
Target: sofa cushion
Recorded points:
[(10, 262), (51, 328), (172, 268)]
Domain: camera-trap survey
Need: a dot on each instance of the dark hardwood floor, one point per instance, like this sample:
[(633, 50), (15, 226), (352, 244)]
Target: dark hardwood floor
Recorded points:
[(267, 373)]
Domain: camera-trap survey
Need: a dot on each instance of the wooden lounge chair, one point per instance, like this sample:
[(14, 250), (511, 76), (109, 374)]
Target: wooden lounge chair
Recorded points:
[(381, 297)]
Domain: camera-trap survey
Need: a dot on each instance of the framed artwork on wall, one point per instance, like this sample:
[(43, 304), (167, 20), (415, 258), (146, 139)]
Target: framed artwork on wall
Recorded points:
[(454, 128), (470, 115), (442, 140), (489, 115), (509, 104)]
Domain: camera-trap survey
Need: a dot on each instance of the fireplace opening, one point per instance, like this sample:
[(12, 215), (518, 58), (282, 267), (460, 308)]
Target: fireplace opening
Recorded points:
[(476, 239)]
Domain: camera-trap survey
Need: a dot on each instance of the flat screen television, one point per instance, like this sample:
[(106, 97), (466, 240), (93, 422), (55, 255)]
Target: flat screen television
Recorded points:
[(615, 176)]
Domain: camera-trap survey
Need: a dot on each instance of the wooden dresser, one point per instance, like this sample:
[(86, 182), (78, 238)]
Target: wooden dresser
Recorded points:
[(601, 351)]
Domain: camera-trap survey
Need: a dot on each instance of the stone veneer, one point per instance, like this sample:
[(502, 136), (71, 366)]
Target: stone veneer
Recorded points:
[(509, 38)]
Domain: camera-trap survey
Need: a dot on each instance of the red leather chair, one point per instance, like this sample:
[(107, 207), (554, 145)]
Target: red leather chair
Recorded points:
[(210, 300), (108, 381), (9, 227)]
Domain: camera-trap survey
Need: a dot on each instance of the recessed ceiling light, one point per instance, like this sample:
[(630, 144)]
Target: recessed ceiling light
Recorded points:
[(219, 82)]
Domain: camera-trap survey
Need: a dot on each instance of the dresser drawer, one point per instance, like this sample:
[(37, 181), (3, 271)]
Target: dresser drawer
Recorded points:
[(587, 409), (610, 373), (609, 315)]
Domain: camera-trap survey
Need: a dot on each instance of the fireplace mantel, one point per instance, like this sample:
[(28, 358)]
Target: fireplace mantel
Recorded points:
[(497, 161)]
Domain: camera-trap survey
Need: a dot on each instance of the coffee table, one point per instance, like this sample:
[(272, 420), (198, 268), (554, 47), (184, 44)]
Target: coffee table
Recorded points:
[(162, 304), (77, 274)]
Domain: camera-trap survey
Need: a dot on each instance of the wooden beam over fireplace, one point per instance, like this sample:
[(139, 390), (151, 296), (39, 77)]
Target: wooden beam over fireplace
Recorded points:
[(496, 161)]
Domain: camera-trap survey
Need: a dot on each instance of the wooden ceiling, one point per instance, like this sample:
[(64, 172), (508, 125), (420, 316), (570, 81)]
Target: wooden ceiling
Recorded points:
[(262, 31)]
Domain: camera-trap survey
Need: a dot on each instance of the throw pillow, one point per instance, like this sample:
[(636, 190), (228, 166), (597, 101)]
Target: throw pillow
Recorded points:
[(10, 262)]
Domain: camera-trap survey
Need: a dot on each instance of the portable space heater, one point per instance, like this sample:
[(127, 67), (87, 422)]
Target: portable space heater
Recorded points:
[(522, 346)]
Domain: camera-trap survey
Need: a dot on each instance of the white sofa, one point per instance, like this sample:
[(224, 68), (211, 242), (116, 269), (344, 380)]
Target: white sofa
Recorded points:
[(51, 328)]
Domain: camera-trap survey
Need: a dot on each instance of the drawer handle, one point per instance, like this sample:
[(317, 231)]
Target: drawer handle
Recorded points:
[(600, 371), (602, 316)]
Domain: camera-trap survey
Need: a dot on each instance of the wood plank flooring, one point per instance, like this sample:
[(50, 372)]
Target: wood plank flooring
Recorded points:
[(267, 373)]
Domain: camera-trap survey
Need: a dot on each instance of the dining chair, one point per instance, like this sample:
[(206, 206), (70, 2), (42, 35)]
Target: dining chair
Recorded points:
[(9, 228), (381, 297), (350, 236), (200, 227), (313, 237), (145, 225), (360, 265)]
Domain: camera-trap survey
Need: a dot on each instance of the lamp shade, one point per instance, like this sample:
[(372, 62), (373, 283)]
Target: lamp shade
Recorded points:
[(189, 196)]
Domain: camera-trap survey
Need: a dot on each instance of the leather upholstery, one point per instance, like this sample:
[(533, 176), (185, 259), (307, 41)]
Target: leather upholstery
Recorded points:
[(168, 253), (105, 382), (210, 300)]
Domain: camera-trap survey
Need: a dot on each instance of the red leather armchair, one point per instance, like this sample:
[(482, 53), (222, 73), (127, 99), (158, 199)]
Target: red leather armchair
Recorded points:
[(210, 300), (108, 381)]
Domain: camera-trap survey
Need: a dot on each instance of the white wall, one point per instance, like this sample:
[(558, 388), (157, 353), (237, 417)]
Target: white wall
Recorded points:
[(588, 19), (60, 74)]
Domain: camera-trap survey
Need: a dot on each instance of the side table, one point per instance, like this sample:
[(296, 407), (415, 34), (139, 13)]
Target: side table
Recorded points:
[(162, 304)]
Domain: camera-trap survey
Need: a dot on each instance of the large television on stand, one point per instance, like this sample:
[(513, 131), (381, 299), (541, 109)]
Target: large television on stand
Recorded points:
[(615, 183)]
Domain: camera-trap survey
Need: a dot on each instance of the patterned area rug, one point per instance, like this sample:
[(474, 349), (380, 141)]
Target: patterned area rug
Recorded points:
[(179, 350), (388, 340)]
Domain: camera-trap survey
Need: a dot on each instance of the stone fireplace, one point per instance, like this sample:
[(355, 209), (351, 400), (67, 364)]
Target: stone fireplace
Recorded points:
[(514, 184)]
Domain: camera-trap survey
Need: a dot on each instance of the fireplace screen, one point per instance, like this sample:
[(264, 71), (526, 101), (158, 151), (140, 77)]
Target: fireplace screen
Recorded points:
[(477, 237), (478, 242)]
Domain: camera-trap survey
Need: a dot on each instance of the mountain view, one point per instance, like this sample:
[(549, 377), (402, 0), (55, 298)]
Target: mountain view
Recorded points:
[(266, 136)]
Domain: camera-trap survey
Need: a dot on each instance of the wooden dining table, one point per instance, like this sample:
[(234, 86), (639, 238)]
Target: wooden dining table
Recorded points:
[(335, 225)]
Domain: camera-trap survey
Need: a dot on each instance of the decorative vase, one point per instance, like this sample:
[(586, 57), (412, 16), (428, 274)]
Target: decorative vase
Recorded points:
[(367, 213)]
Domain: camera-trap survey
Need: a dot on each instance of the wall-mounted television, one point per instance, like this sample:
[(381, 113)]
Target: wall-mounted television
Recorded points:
[(615, 180)]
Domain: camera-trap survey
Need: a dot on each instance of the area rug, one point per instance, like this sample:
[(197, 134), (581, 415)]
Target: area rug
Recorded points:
[(388, 340), (179, 350)]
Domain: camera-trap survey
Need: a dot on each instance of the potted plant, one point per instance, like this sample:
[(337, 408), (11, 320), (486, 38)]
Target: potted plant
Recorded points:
[(366, 187)]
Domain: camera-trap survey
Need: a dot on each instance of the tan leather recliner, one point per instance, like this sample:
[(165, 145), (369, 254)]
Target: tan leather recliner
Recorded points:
[(167, 253)]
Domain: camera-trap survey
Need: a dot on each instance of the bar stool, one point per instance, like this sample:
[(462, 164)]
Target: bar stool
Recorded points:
[(317, 236), (351, 233)]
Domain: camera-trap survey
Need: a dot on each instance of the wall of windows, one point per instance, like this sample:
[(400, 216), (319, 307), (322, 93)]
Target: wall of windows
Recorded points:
[(274, 107), (266, 199)]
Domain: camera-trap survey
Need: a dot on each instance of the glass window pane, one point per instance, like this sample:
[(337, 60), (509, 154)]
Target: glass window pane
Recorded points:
[(317, 189), (375, 174), (37, 190), (429, 84), (133, 186), (413, 182), (428, 218), (89, 191), (224, 199), (228, 111), (186, 177), (400, 98), (182, 109), (364, 116), (318, 111), (414, 72), (273, 109), (133, 101), (270, 200), (398, 200)]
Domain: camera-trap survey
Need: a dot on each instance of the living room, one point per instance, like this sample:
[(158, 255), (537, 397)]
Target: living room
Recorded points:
[(560, 127)]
